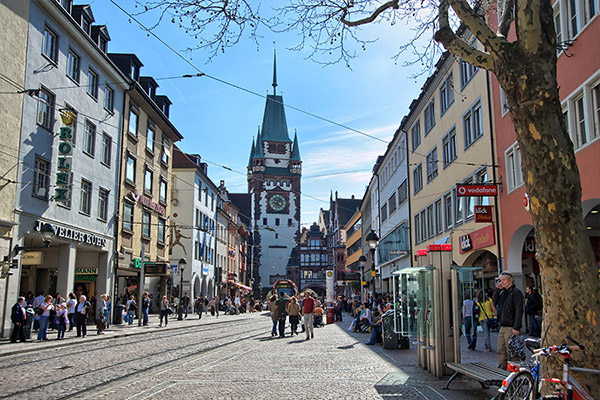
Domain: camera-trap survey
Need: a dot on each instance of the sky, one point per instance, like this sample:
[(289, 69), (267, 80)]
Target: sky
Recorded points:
[(218, 118)]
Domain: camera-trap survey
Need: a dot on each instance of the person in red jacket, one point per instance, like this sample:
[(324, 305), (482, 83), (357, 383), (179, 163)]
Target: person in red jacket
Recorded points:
[(308, 307)]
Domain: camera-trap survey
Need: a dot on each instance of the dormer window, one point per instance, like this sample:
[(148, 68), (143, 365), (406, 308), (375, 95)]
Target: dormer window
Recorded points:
[(67, 5), (103, 44), (85, 24)]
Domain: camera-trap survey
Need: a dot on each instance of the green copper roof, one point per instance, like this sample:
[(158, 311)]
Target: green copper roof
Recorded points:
[(274, 126), (251, 154), (258, 149), (295, 149)]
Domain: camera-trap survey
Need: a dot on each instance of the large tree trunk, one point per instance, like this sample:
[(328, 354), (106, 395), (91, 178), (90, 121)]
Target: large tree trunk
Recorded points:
[(570, 281)]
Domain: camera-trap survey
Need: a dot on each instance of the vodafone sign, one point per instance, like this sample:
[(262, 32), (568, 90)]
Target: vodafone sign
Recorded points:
[(476, 190)]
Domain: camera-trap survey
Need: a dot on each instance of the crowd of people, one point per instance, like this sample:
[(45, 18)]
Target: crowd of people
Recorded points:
[(295, 308)]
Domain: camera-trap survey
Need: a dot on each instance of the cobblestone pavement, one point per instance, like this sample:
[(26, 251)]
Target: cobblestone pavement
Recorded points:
[(233, 357)]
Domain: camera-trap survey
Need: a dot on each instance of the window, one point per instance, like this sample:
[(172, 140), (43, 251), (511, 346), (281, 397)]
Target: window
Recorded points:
[(93, 83), (466, 73), (276, 221), (503, 102), (133, 121), (45, 109), (148, 181), (402, 192), (429, 116), (85, 206), (103, 204), (448, 211), (162, 191), (513, 167), (130, 168), (558, 28), (596, 111), (458, 208), (161, 230), (472, 124), (439, 222), (449, 147), (146, 219), (430, 222), (128, 216), (265, 221), (580, 131), (166, 151), (41, 178), (590, 9), (85, 24), (89, 138), (572, 9), (73, 64), (423, 225), (103, 44), (446, 93), (150, 134), (109, 98), (50, 45), (416, 135), (468, 203), (106, 149), (432, 164), (392, 203), (418, 179), (417, 228), (482, 177), (290, 222), (383, 212)]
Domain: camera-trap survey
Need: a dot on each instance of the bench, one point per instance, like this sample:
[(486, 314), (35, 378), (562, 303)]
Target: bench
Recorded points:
[(484, 374)]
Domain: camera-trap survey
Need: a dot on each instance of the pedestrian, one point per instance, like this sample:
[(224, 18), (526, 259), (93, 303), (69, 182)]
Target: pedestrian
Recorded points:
[(101, 315), (82, 309), (308, 307), (61, 320), (272, 306), (532, 308), (37, 302), (145, 308), (470, 321), (18, 317), (107, 311), (485, 315), (508, 300), (293, 310), (46, 306), (237, 304), (131, 309), (199, 306), (186, 303), (164, 311), (281, 305), (377, 327), (205, 304)]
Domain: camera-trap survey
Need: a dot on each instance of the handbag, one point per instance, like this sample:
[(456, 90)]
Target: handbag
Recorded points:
[(169, 311), (39, 310), (101, 324), (516, 347)]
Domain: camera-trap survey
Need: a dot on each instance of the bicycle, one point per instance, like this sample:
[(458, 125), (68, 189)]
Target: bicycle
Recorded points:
[(525, 380)]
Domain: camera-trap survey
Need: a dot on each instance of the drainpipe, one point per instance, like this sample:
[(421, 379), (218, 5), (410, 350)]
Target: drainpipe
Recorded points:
[(494, 174), (410, 219)]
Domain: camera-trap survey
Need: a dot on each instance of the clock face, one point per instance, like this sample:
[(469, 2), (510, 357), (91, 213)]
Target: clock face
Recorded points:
[(277, 202)]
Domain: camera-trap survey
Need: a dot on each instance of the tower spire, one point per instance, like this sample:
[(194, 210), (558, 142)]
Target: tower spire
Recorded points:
[(274, 71)]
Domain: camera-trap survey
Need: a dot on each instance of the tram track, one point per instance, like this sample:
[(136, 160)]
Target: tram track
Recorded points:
[(119, 372), (19, 358)]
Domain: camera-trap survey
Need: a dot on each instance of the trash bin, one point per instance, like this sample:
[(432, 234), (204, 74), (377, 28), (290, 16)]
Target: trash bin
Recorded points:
[(330, 315), (28, 322), (118, 315), (391, 339)]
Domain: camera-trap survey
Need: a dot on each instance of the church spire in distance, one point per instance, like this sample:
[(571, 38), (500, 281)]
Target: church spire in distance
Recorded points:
[(274, 71)]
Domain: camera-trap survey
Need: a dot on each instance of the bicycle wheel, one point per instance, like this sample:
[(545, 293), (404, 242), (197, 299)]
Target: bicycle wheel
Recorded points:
[(522, 387)]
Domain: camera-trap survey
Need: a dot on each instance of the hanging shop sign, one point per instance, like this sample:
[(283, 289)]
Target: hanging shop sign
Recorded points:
[(476, 190), (478, 239), (483, 214), (32, 258), (62, 192), (147, 202)]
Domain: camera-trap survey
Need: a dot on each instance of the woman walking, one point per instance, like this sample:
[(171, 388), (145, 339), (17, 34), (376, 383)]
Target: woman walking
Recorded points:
[(131, 309), (101, 320), (272, 310), (81, 312), (61, 320), (46, 306), (164, 311), (293, 310)]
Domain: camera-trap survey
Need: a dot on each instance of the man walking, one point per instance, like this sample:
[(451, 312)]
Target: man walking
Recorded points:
[(532, 308), (308, 306), (281, 305), (508, 300), (18, 317), (186, 303)]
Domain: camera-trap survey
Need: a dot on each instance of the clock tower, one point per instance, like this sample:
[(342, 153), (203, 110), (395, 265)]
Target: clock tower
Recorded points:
[(274, 172)]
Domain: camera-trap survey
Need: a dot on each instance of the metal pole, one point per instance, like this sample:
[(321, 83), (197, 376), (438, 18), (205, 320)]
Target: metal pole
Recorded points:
[(362, 279), (141, 287)]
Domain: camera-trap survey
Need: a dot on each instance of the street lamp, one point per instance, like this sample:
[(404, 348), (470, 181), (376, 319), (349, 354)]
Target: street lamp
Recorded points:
[(181, 266), (362, 260), (372, 241), (47, 231)]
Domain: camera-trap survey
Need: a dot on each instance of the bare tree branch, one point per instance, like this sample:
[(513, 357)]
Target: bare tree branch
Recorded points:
[(390, 4), (477, 25), (507, 17)]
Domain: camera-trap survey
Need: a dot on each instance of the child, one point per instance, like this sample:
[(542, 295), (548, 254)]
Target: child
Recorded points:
[(61, 320)]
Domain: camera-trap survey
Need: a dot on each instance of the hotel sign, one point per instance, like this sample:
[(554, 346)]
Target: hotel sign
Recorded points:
[(62, 192)]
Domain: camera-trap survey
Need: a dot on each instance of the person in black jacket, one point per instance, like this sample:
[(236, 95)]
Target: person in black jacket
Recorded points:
[(532, 308), (18, 318), (508, 300)]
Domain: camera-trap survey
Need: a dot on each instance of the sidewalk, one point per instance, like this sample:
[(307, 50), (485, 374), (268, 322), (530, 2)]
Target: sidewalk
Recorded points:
[(121, 330)]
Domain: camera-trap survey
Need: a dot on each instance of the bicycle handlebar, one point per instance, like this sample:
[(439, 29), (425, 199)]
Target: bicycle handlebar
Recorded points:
[(570, 339), (555, 349)]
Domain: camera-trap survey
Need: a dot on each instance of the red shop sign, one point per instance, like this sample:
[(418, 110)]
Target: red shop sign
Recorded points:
[(478, 239), (483, 214)]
